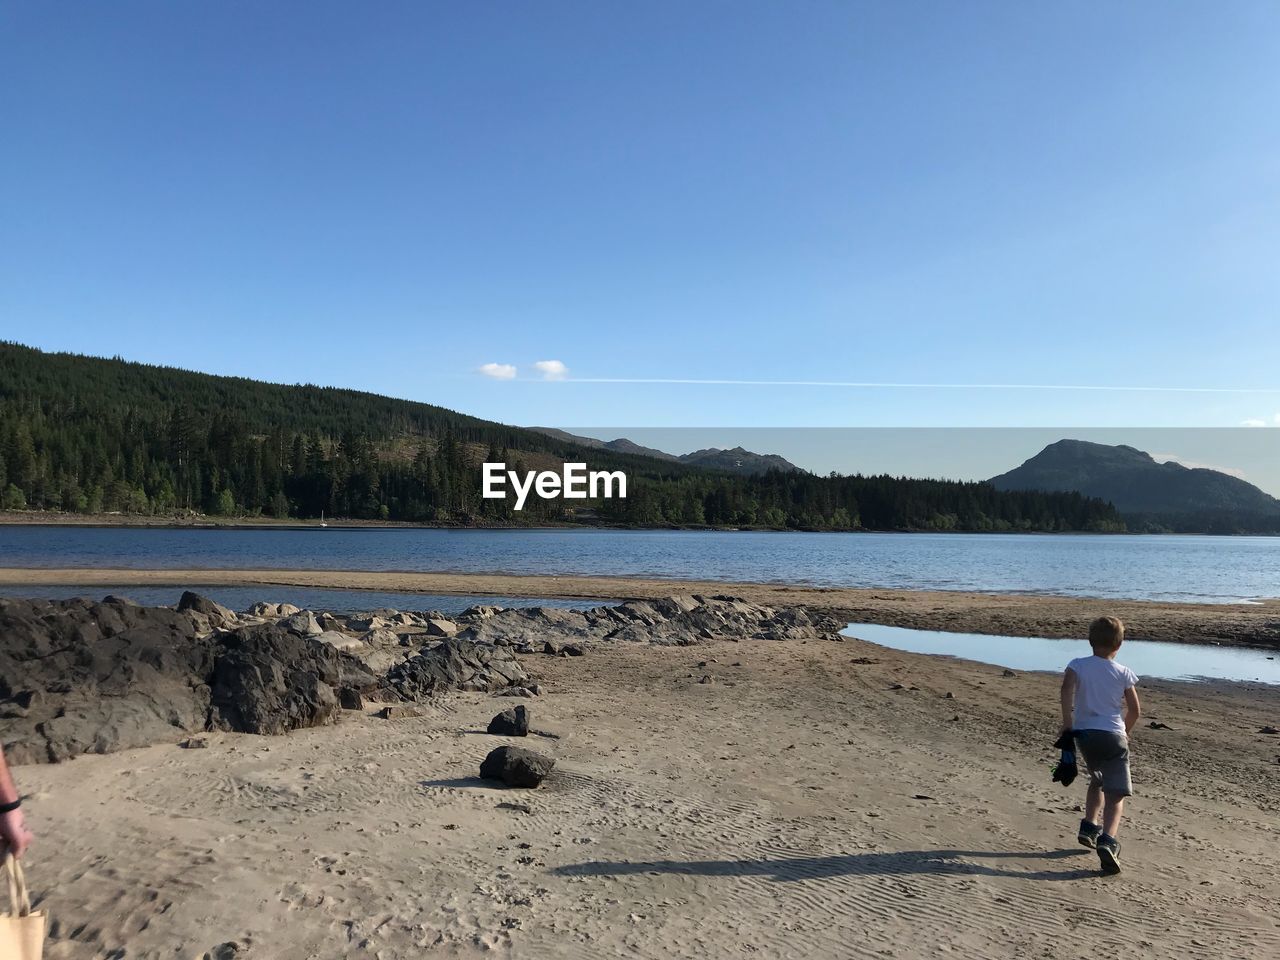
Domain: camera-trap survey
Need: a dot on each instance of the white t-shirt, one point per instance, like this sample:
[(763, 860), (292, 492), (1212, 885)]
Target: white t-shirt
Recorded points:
[(1100, 692)]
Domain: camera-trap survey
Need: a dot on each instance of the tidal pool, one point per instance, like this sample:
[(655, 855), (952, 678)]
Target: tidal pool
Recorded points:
[(1147, 658)]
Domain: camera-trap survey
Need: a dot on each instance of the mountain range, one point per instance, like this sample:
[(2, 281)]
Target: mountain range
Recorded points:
[(1148, 493), (735, 460)]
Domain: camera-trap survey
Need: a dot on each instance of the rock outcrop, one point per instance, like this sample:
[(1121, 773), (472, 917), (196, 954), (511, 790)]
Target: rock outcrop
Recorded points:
[(270, 681), (672, 621), (81, 677), (454, 665)]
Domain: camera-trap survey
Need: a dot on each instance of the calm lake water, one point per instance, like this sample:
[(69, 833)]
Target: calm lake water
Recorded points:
[(1204, 569), (309, 598), (1147, 658)]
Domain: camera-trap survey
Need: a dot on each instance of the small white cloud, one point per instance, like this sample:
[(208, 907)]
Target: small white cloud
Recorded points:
[(1261, 421), (551, 369), (499, 371)]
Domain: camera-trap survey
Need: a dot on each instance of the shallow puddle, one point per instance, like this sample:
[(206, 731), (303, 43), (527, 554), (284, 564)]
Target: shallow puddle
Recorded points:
[(1147, 658)]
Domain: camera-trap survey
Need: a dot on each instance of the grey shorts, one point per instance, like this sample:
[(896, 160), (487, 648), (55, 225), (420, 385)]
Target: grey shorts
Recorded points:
[(1106, 754)]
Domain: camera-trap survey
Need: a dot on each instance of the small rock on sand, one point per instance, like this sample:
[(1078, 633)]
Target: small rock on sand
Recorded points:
[(516, 767), (511, 723)]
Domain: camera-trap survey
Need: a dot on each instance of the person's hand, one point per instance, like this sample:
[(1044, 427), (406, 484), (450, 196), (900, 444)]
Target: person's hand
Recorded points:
[(14, 835)]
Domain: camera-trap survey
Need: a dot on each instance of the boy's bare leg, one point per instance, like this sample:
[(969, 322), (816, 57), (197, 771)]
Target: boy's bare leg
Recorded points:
[(1111, 813), (1093, 804)]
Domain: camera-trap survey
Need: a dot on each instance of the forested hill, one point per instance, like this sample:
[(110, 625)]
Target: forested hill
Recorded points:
[(90, 435)]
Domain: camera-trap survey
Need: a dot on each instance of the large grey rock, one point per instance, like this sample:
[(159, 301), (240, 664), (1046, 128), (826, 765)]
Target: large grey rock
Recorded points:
[(516, 766), (341, 641), (303, 622), (206, 615), (195, 603), (269, 680), (331, 623), (454, 665), (80, 677), (439, 627)]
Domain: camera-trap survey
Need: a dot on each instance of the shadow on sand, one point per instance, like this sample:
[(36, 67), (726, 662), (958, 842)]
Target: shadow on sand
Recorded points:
[(902, 863)]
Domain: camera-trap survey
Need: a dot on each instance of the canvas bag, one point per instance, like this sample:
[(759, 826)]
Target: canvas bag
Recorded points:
[(21, 931)]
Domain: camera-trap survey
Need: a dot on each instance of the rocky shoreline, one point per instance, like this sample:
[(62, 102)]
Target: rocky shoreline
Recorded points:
[(78, 676), (1027, 615)]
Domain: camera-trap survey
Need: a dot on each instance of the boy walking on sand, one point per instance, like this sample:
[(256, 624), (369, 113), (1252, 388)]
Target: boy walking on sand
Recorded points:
[(1099, 708)]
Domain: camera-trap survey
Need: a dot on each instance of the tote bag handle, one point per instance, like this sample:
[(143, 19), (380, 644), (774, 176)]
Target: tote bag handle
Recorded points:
[(19, 899)]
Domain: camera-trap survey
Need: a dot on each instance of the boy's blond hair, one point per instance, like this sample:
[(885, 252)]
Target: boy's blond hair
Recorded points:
[(1106, 633)]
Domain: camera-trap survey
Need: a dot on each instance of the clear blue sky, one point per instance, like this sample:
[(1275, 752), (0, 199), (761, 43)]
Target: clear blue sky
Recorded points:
[(390, 195)]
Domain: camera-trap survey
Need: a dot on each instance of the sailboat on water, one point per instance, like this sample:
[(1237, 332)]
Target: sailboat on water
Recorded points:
[(322, 523)]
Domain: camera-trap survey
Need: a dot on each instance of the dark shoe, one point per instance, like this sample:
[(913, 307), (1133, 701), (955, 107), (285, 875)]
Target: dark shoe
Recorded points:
[(1109, 854), (1089, 833)]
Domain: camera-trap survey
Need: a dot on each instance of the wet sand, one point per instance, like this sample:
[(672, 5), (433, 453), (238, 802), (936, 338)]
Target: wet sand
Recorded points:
[(1015, 615)]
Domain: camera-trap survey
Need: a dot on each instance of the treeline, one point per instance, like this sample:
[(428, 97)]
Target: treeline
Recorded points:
[(1216, 522), (88, 435), (804, 501)]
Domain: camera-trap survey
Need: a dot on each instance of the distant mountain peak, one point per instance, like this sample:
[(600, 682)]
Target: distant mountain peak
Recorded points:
[(736, 460), (1137, 484)]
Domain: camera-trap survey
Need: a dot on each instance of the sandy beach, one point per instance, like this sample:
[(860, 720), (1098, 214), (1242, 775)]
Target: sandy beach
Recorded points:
[(1253, 624), (513, 480), (795, 804)]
